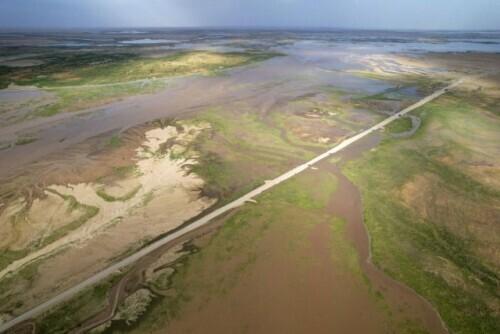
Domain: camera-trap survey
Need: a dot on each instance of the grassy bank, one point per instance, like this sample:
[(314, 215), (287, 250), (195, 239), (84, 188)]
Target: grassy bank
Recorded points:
[(430, 207), (69, 315), (240, 152)]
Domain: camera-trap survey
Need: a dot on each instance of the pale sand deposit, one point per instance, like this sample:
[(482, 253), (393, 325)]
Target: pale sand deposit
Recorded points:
[(159, 184)]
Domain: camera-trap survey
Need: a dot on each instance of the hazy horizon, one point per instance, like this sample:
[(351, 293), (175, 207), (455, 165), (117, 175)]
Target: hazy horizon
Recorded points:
[(413, 15), (236, 28)]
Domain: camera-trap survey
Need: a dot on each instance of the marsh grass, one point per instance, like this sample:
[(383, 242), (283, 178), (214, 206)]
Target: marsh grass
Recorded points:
[(239, 152), (410, 245), (70, 315), (400, 125), (25, 140), (79, 98), (108, 198)]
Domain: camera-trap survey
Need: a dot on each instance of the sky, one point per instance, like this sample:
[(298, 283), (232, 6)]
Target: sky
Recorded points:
[(358, 14)]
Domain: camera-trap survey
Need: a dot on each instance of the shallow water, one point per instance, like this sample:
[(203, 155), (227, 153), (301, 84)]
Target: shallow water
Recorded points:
[(147, 41), (314, 61), (283, 79), (389, 41)]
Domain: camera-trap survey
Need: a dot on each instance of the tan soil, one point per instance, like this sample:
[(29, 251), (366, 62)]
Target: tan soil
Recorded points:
[(168, 196), (44, 216), (463, 217)]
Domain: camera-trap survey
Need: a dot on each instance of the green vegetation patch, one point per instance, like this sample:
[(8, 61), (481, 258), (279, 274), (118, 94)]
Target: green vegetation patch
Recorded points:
[(424, 83), (5, 74), (240, 152), (344, 254), (83, 97), (400, 125), (25, 140), (428, 214), (315, 193), (108, 198), (115, 141), (13, 285), (71, 314), (86, 80), (88, 212), (124, 171), (106, 68)]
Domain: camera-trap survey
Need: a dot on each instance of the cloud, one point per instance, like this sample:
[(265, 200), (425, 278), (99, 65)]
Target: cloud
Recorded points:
[(389, 14)]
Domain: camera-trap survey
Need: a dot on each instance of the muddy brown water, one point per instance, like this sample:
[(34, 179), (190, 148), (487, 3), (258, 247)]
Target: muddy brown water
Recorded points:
[(279, 295), (134, 279), (347, 204)]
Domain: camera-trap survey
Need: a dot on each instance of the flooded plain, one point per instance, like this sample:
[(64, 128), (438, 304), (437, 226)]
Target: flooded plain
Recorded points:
[(144, 164)]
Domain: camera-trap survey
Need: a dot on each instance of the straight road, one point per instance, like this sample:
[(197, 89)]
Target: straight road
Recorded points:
[(37, 310)]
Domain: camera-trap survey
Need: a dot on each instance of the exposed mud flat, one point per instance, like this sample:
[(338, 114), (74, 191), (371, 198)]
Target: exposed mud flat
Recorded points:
[(396, 65), (156, 197), (18, 103), (278, 79)]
